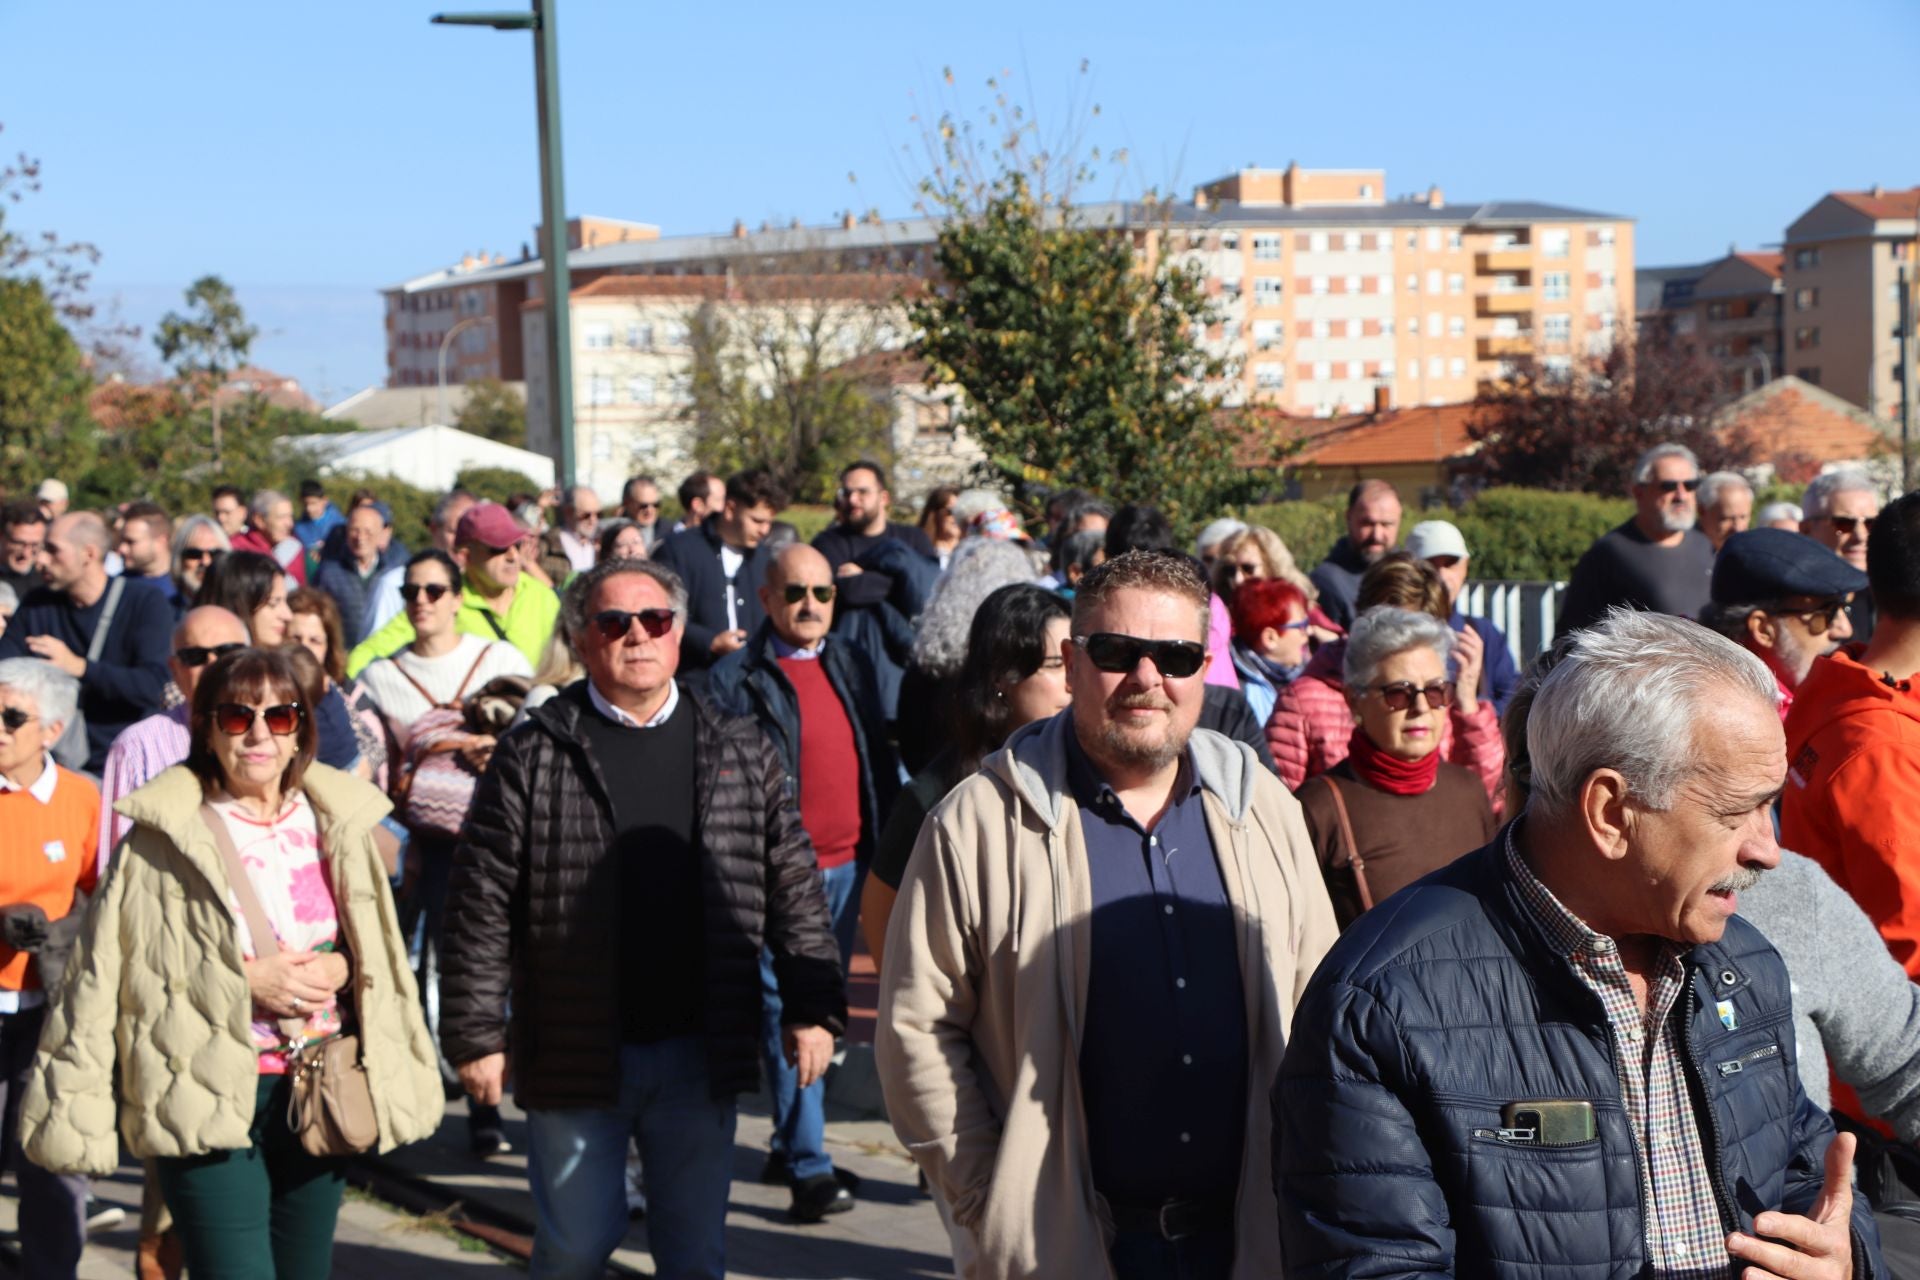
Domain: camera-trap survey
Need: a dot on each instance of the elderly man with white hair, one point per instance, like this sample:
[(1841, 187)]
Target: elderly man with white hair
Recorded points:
[(1726, 506), (1564, 1054), (1839, 510), (49, 828), (1656, 561)]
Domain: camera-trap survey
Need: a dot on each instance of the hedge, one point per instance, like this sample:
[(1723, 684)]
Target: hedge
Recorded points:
[(1525, 534)]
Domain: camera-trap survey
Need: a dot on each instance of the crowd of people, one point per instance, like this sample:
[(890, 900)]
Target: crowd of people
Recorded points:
[(1231, 919)]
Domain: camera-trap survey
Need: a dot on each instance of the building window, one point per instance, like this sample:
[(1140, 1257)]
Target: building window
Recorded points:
[(1556, 328), (1804, 258), (1436, 324), (1266, 248), (1353, 284), (1356, 328), (1266, 292), (1553, 286), (1559, 368), (1805, 299), (640, 390), (1456, 326), (1366, 191), (1355, 370), (640, 336), (1384, 284), (1230, 289), (1322, 329), (1456, 283), (1806, 338), (1320, 284), (1457, 367), (1556, 243), (1608, 279), (1453, 239), (1386, 326), (1317, 242), (1268, 334), (1606, 235), (1350, 239), (1436, 367), (1322, 370), (599, 390), (1230, 330), (1716, 311), (1386, 368), (1413, 282), (1413, 326), (676, 335), (1230, 241), (1434, 277), (1433, 239), (597, 337), (1269, 375)]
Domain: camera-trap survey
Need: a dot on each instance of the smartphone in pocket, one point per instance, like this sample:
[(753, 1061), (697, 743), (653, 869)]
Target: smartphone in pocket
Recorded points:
[(1554, 1122)]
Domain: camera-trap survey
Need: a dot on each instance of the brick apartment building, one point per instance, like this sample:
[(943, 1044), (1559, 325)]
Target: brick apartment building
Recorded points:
[(1326, 289), (1729, 311)]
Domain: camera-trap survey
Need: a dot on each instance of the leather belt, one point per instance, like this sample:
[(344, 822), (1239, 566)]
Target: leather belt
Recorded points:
[(1174, 1219)]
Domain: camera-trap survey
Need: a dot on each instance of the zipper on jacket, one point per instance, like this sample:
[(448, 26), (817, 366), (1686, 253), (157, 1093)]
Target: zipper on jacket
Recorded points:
[(1715, 1163), (1528, 1138), (1734, 1066)]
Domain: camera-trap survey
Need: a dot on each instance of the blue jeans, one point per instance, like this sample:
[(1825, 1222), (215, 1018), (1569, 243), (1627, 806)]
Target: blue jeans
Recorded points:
[(800, 1115), (577, 1166)]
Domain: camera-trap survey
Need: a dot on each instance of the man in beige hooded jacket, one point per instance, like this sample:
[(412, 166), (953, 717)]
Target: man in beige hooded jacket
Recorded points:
[(1080, 1106)]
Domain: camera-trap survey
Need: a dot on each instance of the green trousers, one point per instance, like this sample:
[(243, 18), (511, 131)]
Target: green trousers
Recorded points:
[(265, 1213)]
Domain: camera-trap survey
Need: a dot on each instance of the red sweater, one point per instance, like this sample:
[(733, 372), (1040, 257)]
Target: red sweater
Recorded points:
[(829, 764)]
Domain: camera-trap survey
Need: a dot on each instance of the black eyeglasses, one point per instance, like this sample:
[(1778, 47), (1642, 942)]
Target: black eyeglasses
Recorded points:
[(15, 719), (1400, 694), (199, 655), (410, 591), (796, 592), (1847, 524), (1673, 486), (188, 555), (235, 719), (1113, 652), (613, 624)]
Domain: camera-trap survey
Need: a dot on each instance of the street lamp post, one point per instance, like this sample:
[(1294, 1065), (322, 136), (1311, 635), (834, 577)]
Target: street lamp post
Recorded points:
[(440, 382), (553, 206)]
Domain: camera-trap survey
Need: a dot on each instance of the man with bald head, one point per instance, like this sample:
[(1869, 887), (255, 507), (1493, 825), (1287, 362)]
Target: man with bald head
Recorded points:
[(111, 639), (819, 703), (1373, 528)]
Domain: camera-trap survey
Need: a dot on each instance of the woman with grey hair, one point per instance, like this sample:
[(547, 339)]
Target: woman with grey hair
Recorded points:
[(979, 568), (1393, 810)]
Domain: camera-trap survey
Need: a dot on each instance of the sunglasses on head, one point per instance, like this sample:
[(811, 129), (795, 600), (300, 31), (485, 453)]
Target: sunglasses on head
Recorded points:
[(235, 719), (1847, 524), (199, 655), (613, 624), (1115, 653), (795, 592), (15, 719), (1673, 486), (411, 591), (1400, 694)]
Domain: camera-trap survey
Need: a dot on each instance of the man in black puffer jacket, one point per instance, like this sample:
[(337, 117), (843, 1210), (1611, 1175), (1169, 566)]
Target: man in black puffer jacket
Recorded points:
[(627, 855), (1563, 1055)]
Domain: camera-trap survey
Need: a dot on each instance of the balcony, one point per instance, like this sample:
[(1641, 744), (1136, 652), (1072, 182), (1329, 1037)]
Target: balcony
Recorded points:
[(1501, 346), (1491, 261), (1504, 302)]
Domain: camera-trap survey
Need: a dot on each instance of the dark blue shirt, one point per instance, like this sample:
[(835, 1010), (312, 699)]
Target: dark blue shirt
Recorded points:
[(127, 683), (1163, 1058)]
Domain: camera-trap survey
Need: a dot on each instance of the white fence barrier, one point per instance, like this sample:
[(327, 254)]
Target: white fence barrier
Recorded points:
[(1524, 611)]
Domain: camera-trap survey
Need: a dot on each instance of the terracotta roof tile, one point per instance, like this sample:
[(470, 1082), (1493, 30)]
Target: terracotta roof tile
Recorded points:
[(1887, 204), (1426, 434), (1791, 418), (1771, 263)]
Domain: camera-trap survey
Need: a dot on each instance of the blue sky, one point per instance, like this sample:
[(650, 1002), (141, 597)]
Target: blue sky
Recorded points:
[(313, 153)]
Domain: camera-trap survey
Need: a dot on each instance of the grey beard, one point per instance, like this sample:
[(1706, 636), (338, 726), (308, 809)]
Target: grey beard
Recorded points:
[(1739, 882), (1121, 749), (1676, 524)]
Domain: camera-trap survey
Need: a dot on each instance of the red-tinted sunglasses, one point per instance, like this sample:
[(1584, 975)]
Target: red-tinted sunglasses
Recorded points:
[(234, 719), (613, 624)]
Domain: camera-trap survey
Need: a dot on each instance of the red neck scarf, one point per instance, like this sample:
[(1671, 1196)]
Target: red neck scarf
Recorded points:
[(1388, 772)]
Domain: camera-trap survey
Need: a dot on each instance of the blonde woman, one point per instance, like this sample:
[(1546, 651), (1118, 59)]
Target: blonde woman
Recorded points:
[(1258, 552)]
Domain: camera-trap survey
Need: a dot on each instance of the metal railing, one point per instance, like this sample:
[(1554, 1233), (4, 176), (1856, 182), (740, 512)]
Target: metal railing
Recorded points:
[(1525, 612)]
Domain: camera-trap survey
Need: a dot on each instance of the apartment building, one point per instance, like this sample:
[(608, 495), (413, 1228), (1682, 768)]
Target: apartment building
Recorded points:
[(1841, 284), (634, 347), (1729, 311)]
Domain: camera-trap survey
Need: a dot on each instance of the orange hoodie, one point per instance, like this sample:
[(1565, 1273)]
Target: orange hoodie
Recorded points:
[(1852, 799)]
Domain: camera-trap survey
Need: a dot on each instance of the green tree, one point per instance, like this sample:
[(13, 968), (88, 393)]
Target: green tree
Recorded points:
[(45, 429), (206, 343), (494, 410), (495, 484), (1076, 344)]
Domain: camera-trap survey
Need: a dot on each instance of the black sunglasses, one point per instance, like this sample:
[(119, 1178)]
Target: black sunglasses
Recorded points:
[(234, 719), (199, 655), (15, 719), (1399, 695), (795, 592), (1670, 486), (1847, 524), (1113, 652), (190, 554), (613, 624), (411, 591), (646, 506), (1819, 620)]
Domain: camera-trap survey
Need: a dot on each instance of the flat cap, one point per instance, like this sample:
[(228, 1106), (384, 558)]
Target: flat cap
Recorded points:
[(1760, 566)]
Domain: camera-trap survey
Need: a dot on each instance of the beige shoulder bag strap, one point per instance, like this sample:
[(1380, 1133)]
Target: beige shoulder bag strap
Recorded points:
[(265, 944), (1354, 859)]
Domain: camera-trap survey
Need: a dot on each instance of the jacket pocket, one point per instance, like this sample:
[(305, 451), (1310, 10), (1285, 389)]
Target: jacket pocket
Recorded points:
[(1505, 1175)]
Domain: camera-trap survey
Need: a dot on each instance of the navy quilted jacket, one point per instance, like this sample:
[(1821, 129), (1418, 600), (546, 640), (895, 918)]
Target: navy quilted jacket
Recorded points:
[(1446, 1002)]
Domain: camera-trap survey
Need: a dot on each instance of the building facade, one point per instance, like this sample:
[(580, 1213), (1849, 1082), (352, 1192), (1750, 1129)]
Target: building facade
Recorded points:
[(1728, 311), (1841, 279)]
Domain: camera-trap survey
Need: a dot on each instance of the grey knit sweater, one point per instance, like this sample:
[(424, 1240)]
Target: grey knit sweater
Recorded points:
[(1853, 1005)]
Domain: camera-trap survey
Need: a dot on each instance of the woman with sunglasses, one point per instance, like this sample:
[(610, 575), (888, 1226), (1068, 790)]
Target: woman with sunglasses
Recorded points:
[(940, 521), (1257, 553), (420, 691), (178, 1015), (1393, 810)]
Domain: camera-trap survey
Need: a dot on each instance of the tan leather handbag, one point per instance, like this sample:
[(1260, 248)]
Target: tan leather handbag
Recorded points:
[(331, 1108)]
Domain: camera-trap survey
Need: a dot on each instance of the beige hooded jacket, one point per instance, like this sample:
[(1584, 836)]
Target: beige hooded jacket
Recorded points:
[(158, 990), (984, 993)]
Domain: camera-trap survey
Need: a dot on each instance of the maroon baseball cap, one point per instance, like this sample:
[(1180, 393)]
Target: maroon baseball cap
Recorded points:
[(490, 524)]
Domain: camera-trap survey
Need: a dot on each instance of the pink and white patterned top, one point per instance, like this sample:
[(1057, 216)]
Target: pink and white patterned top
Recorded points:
[(284, 867)]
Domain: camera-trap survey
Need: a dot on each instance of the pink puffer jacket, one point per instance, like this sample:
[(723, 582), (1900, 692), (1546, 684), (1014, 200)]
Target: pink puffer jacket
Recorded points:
[(1311, 725)]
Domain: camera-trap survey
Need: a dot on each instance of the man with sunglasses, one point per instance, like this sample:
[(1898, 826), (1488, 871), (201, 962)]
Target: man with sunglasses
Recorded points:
[(1657, 561), (1093, 962), (628, 853), (723, 564), (1839, 511), (640, 507), (817, 700), (1783, 597)]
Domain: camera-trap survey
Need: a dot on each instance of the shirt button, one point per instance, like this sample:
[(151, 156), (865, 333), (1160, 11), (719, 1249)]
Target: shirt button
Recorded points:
[(1186, 1137), (1169, 908), (1181, 983), (1186, 1059), (1154, 841), (1679, 1248)]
